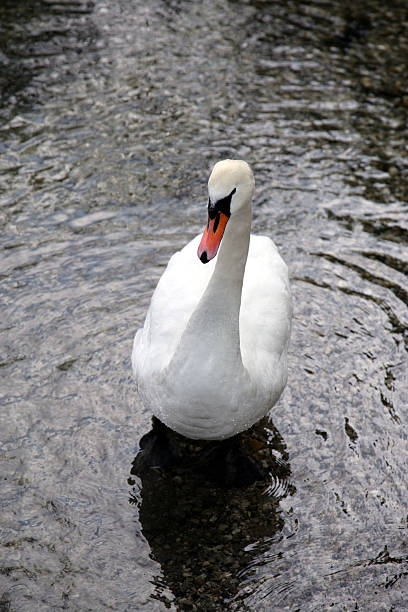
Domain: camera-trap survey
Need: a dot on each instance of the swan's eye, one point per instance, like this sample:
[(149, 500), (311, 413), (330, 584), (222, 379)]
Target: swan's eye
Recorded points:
[(223, 205)]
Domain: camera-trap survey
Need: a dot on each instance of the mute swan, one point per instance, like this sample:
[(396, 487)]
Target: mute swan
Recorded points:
[(211, 358)]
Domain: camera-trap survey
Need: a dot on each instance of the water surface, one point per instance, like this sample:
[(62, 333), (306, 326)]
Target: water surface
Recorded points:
[(111, 117)]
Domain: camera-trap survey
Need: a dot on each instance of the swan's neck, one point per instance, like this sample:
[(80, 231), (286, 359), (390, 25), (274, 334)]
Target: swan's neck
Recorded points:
[(211, 339), (221, 300)]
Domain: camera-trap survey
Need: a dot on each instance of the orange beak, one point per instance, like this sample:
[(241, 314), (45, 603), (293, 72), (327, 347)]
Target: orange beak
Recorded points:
[(213, 233)]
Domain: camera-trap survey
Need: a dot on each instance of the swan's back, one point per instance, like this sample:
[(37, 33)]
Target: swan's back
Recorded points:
[(266, 312)]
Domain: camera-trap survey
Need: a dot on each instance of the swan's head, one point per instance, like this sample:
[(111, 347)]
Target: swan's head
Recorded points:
[(230, 189)]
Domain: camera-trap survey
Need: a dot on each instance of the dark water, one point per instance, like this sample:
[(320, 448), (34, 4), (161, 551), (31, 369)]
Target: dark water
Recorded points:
[(111, 116)]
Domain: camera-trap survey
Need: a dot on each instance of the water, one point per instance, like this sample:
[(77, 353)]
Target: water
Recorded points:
[(111, 117)]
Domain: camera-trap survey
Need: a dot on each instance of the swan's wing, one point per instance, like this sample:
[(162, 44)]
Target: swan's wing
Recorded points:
[(174, 299), (266, 310)]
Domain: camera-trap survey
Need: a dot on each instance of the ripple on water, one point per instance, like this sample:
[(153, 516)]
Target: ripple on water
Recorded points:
[(381, 262)]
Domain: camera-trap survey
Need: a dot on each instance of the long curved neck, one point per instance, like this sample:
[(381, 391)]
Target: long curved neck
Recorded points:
[(223, 294), (212, 333)]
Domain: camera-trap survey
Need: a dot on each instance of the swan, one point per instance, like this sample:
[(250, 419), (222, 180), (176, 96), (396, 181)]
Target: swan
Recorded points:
[(211, 357)]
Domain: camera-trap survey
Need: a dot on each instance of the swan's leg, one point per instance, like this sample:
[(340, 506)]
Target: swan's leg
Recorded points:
[(228, 464), (225, 462), (156, 449)]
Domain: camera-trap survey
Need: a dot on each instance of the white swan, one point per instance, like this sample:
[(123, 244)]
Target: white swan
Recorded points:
[(211, 358)]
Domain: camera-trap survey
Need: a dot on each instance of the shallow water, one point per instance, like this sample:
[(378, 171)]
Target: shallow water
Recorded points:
[(111, 117)]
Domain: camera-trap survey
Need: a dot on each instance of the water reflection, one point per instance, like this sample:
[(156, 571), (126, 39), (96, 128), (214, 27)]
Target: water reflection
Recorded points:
[(207, 537)]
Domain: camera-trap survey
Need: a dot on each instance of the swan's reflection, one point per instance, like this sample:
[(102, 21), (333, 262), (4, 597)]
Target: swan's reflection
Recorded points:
[(205, 536)]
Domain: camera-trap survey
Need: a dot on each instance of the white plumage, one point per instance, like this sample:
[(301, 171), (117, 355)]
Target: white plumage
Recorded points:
[(211, 358)]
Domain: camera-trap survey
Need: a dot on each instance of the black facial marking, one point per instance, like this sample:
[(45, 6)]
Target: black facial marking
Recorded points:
[(223, 206), (216, 222), (212, 211)]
